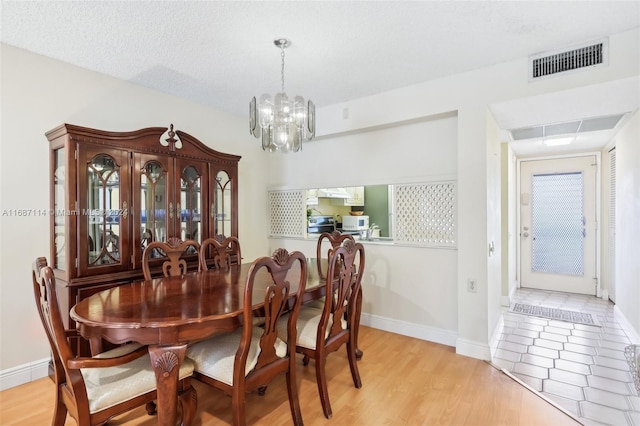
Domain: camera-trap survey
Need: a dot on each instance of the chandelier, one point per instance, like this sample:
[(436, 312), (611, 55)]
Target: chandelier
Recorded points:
[(282, 123)]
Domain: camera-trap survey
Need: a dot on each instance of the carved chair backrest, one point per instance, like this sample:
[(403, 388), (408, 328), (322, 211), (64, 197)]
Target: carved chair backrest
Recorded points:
[(344, 277), (335, 239), (225, 252), (288, 274), (174, 249), (44, 288)]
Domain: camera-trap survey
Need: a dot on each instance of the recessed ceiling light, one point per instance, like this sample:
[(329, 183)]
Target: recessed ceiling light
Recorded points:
[(565, 140)]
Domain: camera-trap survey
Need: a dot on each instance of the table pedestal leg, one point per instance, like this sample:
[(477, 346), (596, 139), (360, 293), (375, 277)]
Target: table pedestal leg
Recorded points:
[(166, 362)]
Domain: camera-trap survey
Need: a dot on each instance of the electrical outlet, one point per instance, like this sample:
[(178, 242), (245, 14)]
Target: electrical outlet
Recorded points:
[(472, 285)]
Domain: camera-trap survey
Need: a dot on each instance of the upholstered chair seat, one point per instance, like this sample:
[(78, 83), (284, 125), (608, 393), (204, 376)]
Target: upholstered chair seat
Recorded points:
[(215, 357), (308, 320), (110, 386)]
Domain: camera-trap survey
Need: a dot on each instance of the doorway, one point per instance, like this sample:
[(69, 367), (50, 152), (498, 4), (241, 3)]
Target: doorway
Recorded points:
[(558, 227)]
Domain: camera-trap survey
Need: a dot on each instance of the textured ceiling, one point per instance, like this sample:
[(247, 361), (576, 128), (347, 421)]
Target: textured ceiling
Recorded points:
[(221, 53)]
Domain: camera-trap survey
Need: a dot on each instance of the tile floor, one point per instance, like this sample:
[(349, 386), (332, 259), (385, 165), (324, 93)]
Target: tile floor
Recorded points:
[(582, 368)]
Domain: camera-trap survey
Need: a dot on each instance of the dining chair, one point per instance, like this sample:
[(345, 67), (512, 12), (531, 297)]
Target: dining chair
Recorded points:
[(94, 389), (327, 243), (225, 252), (173, 250), (335, 240), (251, 356), (321, 331)]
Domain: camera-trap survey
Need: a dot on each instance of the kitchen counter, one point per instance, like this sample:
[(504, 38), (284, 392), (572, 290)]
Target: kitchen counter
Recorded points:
[(374, 240)]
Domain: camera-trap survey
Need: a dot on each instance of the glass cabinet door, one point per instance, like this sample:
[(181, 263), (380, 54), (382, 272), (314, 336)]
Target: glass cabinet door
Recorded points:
[(104, 209), (169, 195), (59, 204), (222, 205), (153, 204), (190, 206), (103, 203)]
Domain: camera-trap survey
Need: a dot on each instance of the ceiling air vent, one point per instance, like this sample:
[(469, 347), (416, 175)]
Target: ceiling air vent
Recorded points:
[(550, 63), (585, 125)]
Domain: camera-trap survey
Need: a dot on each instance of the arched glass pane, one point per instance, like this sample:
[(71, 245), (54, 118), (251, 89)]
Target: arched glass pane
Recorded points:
[(59, 197), (153, 205), (103, 211), (190, 204), (222, 204)]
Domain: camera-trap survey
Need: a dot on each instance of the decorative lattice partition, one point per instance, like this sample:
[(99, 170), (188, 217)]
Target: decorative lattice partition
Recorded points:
[(287, 213), (425, 214)]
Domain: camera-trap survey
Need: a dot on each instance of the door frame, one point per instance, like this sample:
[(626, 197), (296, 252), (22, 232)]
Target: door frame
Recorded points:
[(598, 212), (609, 266)]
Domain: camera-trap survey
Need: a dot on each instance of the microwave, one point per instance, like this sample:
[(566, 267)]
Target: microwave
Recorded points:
[(355, 223)]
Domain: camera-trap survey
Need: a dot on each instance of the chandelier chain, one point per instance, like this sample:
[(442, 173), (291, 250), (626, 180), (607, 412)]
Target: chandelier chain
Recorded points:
[(282, 70)]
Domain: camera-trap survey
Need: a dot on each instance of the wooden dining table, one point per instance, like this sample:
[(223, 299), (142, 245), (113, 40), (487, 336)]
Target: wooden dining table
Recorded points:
[(168, 313)]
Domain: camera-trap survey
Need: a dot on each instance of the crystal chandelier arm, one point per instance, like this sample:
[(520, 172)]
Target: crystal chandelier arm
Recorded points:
[(311, 120), (253, 118)]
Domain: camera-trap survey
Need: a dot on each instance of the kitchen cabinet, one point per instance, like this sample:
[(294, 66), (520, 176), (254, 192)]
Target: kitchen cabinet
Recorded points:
[(312, 197), (356, 197), (112, 193)]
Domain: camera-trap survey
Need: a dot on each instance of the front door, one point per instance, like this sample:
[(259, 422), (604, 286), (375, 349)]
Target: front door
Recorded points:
[(558, 224)]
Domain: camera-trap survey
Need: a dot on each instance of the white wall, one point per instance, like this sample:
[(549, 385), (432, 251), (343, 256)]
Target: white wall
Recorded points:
[(399, 295), (628, 223), (494, 230), (509, 223), (39, 94), (468, 95), (372, 156)]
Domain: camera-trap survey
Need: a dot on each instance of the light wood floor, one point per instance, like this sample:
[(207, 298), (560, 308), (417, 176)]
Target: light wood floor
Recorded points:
[(405, 381)]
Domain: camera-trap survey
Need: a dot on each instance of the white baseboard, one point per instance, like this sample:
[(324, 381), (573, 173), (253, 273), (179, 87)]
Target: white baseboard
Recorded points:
[(495, 337), (632, 333), (24, 373), (506, 300), (473, 349), (432, 334), (445, 337)]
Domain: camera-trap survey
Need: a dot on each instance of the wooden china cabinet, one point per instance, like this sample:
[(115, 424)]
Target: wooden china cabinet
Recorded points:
[(112, 193)]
